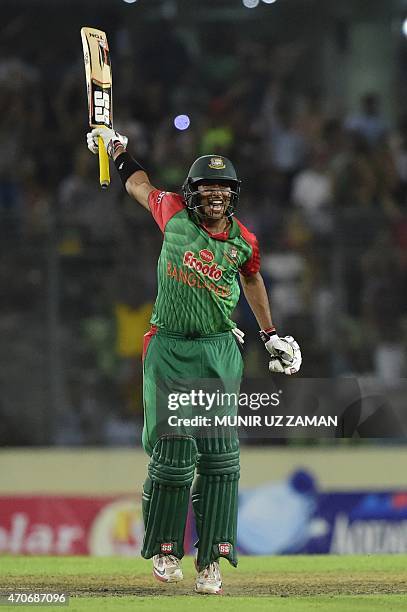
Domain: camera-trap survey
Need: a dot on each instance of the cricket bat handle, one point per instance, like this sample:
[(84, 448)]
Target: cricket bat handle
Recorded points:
[(104, 175)]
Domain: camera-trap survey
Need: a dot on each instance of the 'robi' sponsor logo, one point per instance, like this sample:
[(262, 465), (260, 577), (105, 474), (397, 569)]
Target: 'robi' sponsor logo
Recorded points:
[(160, 197), (212, 271)]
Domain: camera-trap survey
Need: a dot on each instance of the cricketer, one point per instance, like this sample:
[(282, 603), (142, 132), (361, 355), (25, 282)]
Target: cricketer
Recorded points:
[(205, 248)]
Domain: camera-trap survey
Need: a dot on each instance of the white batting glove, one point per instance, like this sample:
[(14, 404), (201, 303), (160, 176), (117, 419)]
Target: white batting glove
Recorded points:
[(111, 140), (239, 335), (285, 353)]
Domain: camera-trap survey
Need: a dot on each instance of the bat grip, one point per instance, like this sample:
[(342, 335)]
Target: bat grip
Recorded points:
[(104, 175)]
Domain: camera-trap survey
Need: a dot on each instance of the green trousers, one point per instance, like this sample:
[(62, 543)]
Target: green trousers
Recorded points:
[(173, 365)]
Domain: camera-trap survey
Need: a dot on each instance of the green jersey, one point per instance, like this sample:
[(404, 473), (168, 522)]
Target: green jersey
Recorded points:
[(197, 271)]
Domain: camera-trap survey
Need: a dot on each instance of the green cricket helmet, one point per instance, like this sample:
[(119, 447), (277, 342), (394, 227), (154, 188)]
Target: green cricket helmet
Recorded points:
[(206, 170)]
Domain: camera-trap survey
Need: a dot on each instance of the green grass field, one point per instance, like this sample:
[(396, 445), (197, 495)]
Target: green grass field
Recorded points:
[(292, 584)]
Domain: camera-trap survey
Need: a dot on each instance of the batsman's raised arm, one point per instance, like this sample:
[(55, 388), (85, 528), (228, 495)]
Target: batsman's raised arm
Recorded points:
[(133, 176)]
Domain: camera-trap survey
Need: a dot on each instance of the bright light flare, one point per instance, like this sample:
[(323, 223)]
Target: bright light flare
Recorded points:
[(182, 122)]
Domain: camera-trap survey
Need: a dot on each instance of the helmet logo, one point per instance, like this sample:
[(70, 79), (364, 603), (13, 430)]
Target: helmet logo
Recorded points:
[(217, 163)]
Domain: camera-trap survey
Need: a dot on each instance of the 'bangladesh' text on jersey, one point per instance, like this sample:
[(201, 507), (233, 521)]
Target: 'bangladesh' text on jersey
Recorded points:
[(197, 271)]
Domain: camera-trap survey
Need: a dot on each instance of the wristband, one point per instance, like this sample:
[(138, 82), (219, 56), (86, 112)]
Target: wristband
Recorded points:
[(126, 166), (265, 334)]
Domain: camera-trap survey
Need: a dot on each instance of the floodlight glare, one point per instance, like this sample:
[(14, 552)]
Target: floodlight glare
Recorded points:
[(182, 122)]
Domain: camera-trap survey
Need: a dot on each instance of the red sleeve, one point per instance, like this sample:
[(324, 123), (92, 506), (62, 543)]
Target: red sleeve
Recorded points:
[(252, 265), (164, 205)]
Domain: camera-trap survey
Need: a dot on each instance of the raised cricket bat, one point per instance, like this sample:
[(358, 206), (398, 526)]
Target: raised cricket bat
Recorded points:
[(99, 88)]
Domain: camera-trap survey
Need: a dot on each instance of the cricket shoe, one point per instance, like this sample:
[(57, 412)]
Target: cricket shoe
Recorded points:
[(209, 580), (167, 568)]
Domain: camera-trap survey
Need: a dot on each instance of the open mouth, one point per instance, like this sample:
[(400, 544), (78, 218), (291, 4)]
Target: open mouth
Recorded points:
[(217, 205)]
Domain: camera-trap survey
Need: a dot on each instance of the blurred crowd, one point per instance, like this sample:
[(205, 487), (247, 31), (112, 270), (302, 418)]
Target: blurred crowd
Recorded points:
[(324, 189)]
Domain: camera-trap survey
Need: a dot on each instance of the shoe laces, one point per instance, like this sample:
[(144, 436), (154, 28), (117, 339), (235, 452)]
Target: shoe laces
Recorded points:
[(211, 571), (169, 559)]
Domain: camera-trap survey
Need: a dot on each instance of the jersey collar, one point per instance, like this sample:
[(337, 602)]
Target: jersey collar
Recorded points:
[(231, 232)]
